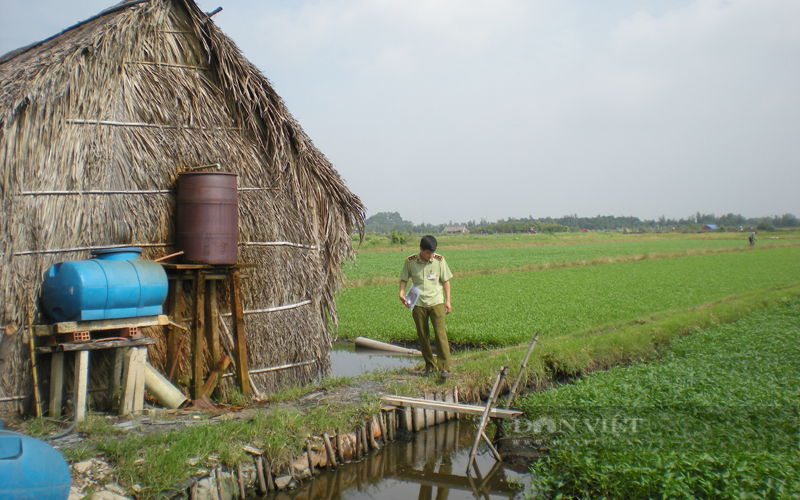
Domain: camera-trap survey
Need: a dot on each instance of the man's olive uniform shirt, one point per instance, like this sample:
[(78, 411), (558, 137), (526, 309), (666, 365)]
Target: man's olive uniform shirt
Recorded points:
[(428, 277)]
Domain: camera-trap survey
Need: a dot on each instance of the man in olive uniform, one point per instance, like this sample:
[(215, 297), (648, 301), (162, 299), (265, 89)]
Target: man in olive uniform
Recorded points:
[(429, 272)]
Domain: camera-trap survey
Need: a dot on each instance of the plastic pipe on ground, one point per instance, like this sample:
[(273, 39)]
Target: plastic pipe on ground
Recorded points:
[(161, 389), (383, 346)]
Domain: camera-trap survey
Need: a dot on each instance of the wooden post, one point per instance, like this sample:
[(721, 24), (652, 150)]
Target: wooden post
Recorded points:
[(309, 457), (371, 433), (198, 359), (339, 449), (448, 398), (116, 378), (268, 472), (215, 376), (329, 450), (262, 482), (364, 440), (128, 381), (173, 333), (212, 322), (81, 385), (382, 428), (56, 384), (138, 391), (240, 480), (239, 339)]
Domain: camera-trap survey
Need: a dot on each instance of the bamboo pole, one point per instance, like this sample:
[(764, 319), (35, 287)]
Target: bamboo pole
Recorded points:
[(371, 434), (37, 398), (268, 471), (339, 450), (240, 480), (277, 244), (358, 444), (84, 249), (262, 482), (329, 449), (484, 418), (218, 480), (272, 309), (275, 368), (382, 427), (310, 459), (521, 370)]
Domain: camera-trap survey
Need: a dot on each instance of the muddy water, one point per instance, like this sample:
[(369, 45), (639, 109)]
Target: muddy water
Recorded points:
[(347, 361), (431, 464)]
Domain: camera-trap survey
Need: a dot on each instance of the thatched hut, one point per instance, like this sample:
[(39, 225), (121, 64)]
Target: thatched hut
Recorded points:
[(95, 125)]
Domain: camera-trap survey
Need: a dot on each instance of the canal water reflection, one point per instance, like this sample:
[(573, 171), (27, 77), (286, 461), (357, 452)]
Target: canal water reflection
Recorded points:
[(431, 464), (348, 361)]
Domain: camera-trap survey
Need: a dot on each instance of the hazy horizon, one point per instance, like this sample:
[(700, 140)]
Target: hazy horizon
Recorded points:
[(643, 219)]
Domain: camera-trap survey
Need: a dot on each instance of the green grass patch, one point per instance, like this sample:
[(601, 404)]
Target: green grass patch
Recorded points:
[(158, 461), (716, 417), (293, 392), (505, 309)]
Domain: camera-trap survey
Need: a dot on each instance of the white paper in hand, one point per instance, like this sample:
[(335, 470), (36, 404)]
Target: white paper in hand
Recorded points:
[(411, 296)]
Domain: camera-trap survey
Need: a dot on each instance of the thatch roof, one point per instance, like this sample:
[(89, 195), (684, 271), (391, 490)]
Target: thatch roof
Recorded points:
[(95, 125)]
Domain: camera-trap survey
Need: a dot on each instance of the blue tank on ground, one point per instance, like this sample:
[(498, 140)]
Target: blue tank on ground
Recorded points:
[(113, 284), (31, 469)]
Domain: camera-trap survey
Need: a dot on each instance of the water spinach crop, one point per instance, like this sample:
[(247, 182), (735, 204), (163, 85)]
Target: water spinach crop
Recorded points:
[(716, 417), (504, 309), (382, 267)]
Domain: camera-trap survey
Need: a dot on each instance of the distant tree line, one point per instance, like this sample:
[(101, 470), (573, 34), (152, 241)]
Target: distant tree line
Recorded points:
[(391, 223)]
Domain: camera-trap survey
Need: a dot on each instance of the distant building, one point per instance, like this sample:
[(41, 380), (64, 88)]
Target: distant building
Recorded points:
[(456, 229), (711, 227)]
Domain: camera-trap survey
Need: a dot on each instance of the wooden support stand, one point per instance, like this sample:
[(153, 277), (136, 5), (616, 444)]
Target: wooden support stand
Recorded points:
[(204, 333), (127, 394)]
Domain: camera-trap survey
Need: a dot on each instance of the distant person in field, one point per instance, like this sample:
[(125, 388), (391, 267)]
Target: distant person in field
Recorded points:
[(429, 272), (752, 238)]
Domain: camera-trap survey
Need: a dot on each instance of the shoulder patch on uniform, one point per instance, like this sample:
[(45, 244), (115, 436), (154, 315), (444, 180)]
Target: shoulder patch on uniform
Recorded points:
[(438, 257), (412, 258)]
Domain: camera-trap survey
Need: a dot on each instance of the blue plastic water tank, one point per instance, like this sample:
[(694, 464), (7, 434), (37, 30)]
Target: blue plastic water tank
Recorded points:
[(31, 469), (114, 284)]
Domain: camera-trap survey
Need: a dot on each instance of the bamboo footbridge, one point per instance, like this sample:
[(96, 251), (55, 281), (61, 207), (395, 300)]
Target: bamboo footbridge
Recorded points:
[(448, 409)]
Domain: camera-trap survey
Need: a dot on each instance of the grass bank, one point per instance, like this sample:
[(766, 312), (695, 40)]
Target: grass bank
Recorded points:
[(716, 417)]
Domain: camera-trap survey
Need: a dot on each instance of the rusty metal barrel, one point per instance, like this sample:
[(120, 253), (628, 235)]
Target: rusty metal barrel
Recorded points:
[(207, 221)]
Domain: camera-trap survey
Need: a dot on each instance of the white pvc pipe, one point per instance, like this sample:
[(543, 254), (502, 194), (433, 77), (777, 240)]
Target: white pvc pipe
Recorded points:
[(383, 346), (161, 388)]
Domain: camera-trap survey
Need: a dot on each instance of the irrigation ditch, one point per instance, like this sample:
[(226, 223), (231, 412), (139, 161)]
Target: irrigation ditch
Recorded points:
[(399, 452)]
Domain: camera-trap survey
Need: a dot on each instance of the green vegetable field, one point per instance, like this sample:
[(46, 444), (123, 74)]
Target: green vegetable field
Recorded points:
[(559, 251), (504, 309), (716, 417)]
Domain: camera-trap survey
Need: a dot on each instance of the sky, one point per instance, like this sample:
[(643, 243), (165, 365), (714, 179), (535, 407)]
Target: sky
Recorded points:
[(459, 110)]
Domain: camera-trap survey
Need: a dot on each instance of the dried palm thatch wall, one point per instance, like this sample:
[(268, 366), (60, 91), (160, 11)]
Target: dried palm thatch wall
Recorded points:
[(95, 125)]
